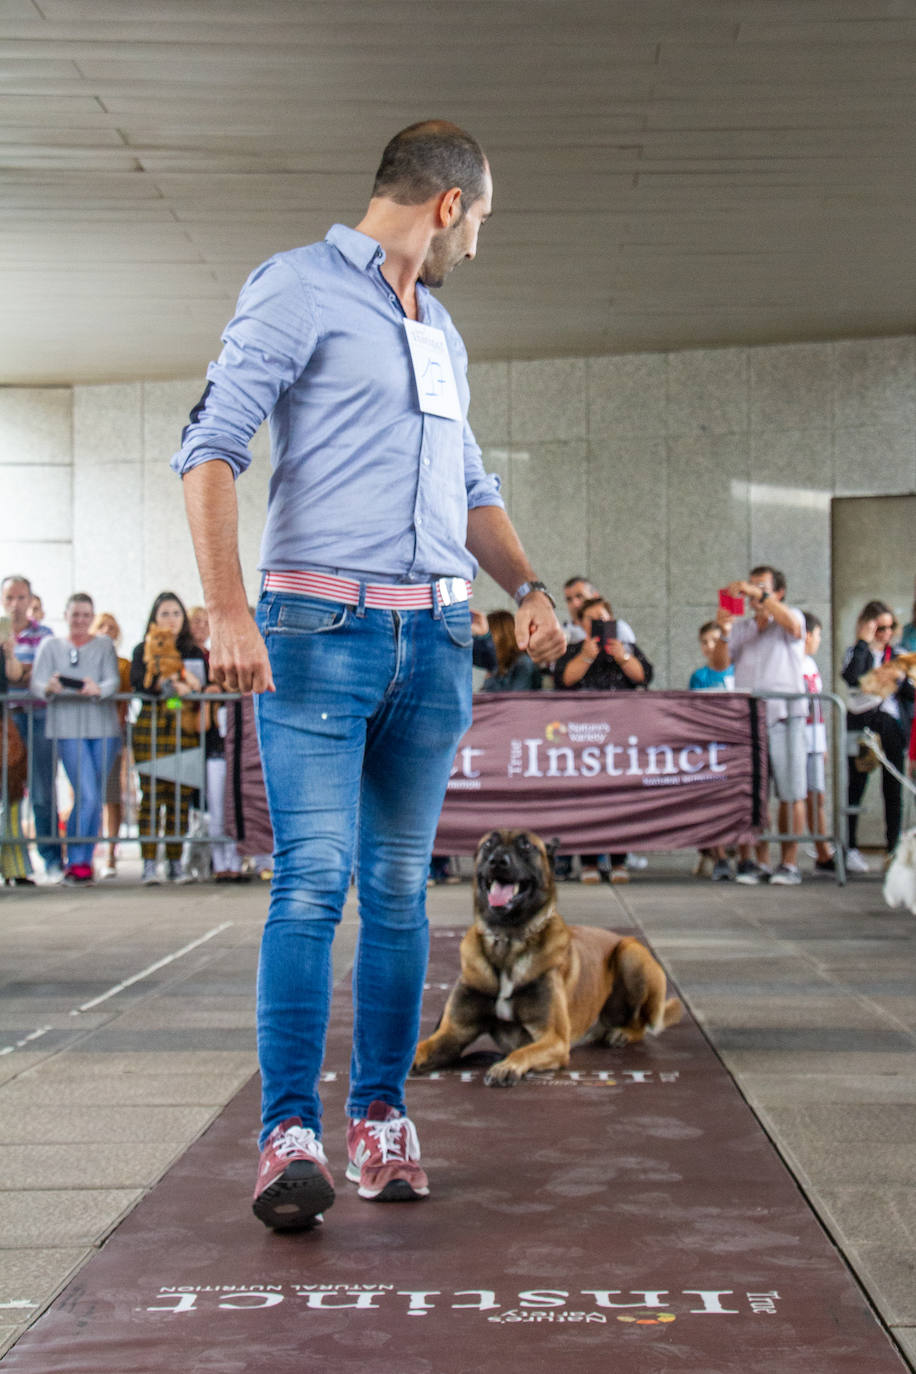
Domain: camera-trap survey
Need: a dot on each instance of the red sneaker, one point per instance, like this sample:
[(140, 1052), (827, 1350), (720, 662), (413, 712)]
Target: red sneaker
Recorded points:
[(294, 1182), (384, 1155)]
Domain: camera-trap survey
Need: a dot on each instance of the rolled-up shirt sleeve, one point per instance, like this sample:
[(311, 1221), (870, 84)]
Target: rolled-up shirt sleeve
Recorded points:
[(482, 487), (266, 346)]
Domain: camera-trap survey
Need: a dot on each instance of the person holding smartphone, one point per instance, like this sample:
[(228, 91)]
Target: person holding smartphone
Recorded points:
[(602, 662), (76, 676)]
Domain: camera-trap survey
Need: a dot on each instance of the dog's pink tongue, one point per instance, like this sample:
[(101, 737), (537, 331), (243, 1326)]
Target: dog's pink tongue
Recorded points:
[(501, 894)]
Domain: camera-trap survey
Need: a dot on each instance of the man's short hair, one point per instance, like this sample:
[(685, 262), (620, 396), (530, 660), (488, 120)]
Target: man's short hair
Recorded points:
[(427, 158), (15, 577), (779, 578), (571, 582), (708, 628), (812, 622)]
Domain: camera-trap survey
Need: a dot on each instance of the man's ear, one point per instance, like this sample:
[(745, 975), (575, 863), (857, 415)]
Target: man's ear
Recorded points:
[(450, 207)]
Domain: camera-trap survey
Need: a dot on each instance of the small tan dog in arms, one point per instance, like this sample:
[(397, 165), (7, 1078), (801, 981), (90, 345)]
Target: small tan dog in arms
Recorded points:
[(533, 983)]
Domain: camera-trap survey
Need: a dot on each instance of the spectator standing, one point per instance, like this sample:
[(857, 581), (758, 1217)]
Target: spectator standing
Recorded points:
[(30, 717), (886, 716), (515, 671), (816, 735), (116, 782), (379, 511), (77, 675), (606, 666), (156, 734), (708, 678), (713, 862), (15, 865), (768, 652)]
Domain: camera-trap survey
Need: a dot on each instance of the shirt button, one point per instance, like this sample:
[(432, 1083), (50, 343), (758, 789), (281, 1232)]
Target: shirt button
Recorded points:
[(426, 462), (419, 519)]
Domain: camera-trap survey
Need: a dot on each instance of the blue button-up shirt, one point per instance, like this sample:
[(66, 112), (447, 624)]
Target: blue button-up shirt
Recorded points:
[(363, 482)]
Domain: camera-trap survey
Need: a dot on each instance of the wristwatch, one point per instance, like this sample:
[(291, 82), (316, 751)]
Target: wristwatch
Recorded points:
[(526, 587), (626, 658)]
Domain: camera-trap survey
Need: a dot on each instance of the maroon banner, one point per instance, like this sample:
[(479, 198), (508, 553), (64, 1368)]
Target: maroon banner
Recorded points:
[(609, 771)]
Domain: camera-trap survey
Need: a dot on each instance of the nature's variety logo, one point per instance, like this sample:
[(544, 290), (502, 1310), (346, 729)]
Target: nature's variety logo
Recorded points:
[(556, 727)]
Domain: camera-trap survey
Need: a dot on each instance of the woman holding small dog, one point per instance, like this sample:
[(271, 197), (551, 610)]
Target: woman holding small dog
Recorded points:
[(887, 715), (157, 675), (76, 675)]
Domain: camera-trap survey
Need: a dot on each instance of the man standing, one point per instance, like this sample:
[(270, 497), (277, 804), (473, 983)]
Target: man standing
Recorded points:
[(768, 651), (31, 718), (379, 512)]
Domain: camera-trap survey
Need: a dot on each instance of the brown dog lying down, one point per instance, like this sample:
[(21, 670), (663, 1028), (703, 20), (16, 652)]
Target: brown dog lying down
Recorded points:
[(535, 984)]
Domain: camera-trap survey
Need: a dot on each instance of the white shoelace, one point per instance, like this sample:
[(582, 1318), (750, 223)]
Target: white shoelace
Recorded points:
[(299, 1139), (397, 1138)]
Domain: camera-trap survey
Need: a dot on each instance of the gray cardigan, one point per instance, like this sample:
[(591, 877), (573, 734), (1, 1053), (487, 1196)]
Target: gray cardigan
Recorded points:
[(71, 716)]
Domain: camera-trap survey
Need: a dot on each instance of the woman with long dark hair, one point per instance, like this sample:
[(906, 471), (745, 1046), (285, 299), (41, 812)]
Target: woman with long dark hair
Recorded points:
[(887, 716), (158, 729)]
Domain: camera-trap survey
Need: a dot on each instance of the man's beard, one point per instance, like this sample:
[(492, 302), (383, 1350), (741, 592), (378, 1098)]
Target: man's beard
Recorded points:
[(441, 258)]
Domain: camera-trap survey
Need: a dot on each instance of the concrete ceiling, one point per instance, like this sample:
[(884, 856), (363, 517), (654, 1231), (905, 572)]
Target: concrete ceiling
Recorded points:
[(669, 173)]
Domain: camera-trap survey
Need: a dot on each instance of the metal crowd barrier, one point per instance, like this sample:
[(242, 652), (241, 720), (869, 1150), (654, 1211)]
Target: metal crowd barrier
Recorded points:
[(168, 775), (838, 757), (185, 769)]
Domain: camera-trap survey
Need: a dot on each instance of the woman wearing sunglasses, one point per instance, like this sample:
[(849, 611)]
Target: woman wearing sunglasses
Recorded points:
[(888, 717), (77, 675)]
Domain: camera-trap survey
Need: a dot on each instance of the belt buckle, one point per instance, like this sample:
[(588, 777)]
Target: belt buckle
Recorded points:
[(451, 590)]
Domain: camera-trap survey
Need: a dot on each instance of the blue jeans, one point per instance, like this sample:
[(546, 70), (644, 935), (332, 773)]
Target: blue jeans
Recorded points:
[(87, 763), (357, 745), (42, 796)]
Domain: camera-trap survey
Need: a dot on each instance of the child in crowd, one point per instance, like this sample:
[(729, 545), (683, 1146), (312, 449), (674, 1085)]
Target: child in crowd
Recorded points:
[(707, 678), (712, 863), (816, 732)]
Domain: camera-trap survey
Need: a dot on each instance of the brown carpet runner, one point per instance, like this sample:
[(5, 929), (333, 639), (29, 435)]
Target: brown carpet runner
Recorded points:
[(627, 1215)]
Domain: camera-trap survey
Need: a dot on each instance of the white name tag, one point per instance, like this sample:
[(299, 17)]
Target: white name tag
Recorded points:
[(432, 370)]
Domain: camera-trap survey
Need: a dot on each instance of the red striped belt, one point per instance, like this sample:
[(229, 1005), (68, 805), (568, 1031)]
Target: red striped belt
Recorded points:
[(378, 595)]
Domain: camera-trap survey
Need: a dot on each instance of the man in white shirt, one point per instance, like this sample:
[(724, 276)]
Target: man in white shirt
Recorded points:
[(768, 652)]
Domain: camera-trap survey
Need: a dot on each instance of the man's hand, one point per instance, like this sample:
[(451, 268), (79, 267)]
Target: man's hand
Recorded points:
[(537, 630), (238, 655), (590, 649), (724, 620)]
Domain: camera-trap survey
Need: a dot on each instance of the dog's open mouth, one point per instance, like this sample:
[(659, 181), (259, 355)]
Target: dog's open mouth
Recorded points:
[(505, 896)]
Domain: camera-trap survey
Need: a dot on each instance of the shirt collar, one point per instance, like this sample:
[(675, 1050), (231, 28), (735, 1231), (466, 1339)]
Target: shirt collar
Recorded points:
[(358, 248)]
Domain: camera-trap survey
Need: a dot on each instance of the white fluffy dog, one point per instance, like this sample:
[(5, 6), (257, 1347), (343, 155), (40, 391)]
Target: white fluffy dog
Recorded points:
[(900, 882)]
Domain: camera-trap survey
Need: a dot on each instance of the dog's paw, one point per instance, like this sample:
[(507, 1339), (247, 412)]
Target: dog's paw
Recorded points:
[(617, 1037), (503, 1075)]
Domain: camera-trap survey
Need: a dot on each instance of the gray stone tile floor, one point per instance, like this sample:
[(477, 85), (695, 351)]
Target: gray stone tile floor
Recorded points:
[(807, 994)]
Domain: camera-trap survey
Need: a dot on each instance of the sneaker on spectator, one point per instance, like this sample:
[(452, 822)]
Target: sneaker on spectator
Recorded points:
[(786, 875), (150, 872), (620, 874), (826, 866), (79, 875), (174, 870), (110, 870), (704, 865), (722, 871), (384, 1156), (748, 873), (54, 874), (294, 1184), (637, 861), (590, 874), (766, 873), (856, 862)]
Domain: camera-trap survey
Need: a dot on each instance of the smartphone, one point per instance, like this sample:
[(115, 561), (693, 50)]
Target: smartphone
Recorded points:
[(733, 604), (603, 631), (75, 684)]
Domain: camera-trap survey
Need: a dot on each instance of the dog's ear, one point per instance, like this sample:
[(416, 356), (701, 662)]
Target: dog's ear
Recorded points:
[(552, 846)]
